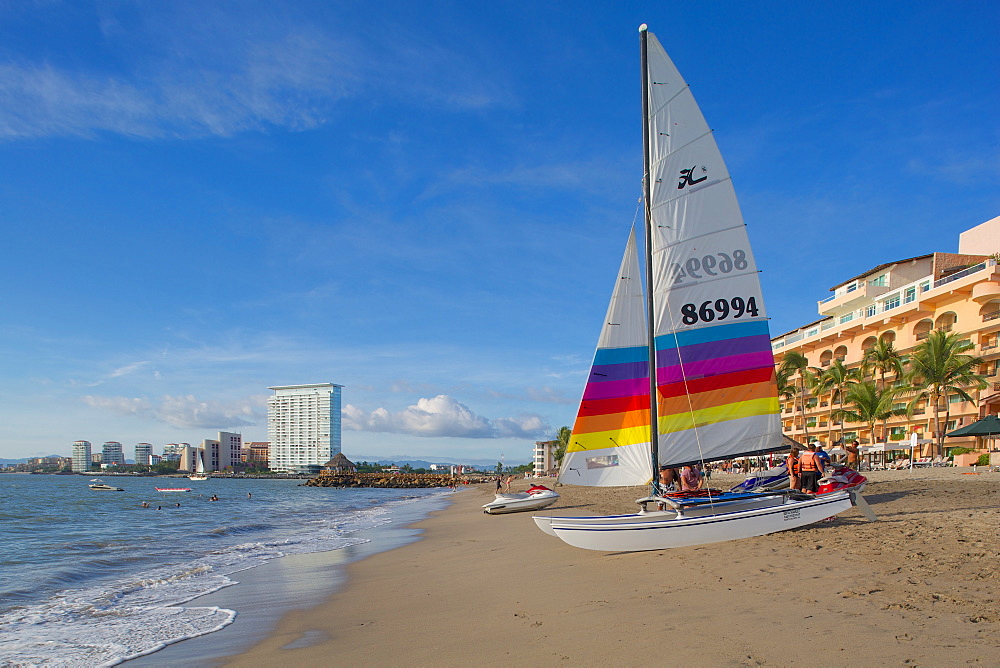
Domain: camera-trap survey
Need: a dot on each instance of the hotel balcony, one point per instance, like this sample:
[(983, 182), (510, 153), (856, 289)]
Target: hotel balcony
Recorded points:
[(851, 298), (981, 282)]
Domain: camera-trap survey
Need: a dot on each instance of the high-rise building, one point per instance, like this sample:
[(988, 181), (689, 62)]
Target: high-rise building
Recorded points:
[(303, 427), (901, 302), (230, 445), (543, 458), (112, 454), (143, 454), (81, 456)]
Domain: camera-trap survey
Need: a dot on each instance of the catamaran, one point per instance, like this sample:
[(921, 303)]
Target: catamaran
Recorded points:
[(691, 354)]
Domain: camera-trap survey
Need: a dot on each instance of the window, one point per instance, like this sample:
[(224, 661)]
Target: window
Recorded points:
[(879, 280), (909, 295), (891, 302), (852, 287), (870, 310), (846, 318)]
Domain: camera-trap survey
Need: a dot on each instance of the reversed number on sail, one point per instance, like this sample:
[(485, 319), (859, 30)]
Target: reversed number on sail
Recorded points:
[(709, 265), (719, 309)]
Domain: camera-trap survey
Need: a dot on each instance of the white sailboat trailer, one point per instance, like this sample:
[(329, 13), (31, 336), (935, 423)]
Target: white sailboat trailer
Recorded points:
[(683, 371)]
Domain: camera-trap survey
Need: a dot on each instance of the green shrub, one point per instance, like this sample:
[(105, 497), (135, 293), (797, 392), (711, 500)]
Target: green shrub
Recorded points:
[(984, 459), (959, 451)]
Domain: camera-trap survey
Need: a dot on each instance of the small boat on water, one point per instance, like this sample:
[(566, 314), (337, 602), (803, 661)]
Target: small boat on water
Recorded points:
[(536, 498), (98, 485), (172, 489), (199, 472)]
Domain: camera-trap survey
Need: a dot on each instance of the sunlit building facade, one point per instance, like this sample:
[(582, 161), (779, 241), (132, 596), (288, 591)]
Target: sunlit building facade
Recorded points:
[(81, 456), (112, 454), (303, 427), (902, 301)]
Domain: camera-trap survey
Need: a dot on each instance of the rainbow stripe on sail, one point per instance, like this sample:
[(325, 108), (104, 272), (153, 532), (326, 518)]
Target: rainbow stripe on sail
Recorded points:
[(615, 405), (715, 374)]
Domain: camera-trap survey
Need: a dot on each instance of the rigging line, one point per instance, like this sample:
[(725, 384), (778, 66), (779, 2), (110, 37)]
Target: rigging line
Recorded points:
[(691, 190), (706, 281), (681, 148), (698, 236), (687, 389), (673, 97)]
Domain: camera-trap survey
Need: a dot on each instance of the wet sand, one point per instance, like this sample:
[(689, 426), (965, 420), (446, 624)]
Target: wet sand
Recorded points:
[(919, 587)]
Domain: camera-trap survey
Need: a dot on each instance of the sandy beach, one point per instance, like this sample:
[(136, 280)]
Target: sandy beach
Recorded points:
[(919, 587)]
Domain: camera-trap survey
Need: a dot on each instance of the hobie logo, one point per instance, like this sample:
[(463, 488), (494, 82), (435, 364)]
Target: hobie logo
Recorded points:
[(687, 177), (791, 514)]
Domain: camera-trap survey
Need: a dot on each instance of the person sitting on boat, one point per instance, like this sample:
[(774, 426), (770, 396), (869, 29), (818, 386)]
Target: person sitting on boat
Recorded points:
[(690, 478), (811, 467), (794, 472), (668, 479)]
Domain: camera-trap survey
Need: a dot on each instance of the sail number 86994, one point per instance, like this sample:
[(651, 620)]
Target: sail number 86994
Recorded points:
[(709, 265), (719, 309)]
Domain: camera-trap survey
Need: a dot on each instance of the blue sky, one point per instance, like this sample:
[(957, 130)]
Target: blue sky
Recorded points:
[(426, 202)]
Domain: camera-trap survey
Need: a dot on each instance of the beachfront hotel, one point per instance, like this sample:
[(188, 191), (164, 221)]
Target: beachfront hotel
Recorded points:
[(303, 427), (902, 301), (82, 457)]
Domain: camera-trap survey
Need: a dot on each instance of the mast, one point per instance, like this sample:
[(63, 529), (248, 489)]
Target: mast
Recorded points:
[(654, 436)]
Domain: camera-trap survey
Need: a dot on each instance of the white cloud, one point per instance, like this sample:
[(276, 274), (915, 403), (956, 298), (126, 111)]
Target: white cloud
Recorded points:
[(185, 411), (441, 416), (226, 74)]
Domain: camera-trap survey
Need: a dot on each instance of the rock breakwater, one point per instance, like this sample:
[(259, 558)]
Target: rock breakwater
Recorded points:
[(391, 480)]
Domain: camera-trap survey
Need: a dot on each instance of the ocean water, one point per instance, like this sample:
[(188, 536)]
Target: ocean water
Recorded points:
[(92, 578)]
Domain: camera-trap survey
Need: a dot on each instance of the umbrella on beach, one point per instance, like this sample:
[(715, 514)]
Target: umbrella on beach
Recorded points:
[(986, 427)]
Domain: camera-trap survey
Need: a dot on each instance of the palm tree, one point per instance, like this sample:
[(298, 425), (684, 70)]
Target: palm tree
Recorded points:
[(883, 358), (563, 437), (869, 404), (795, 362), (836, 378), (939, 368)]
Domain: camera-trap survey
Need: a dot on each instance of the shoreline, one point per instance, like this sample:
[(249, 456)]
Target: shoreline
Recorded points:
[(916, 587), (263, 594)]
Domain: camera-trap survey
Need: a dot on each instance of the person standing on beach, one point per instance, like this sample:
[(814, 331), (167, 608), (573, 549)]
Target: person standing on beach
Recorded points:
[(853, 456), (822, 454), (811, 467), (794, 472)]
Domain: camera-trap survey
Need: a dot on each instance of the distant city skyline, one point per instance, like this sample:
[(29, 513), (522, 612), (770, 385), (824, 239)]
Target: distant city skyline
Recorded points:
[(425, 203)]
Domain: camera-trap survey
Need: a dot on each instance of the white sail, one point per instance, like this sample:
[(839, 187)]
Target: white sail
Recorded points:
[(610, 441), (715, 369)]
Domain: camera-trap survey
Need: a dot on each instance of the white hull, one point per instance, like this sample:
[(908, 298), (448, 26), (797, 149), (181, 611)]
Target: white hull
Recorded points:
[(516, 503), (668, 532), (545, 522), (198, 477)]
